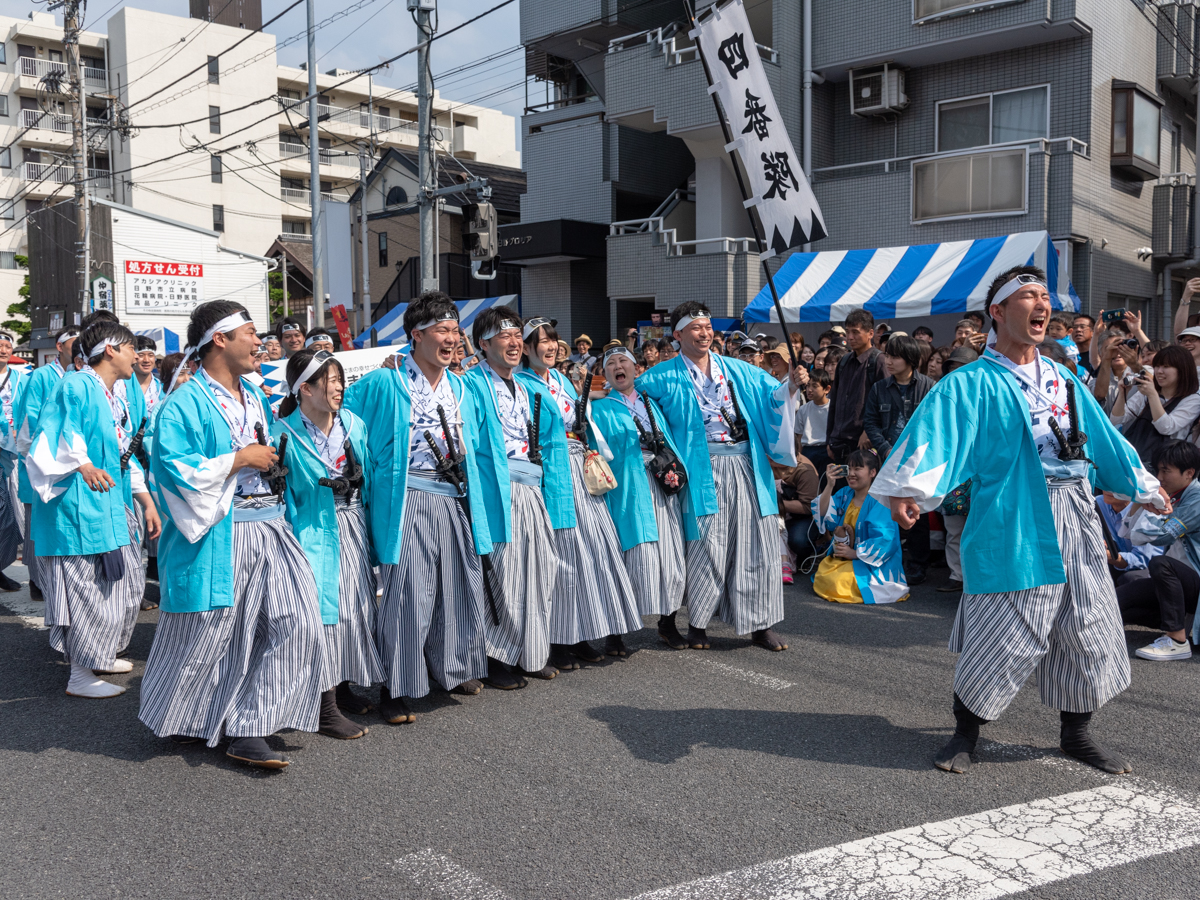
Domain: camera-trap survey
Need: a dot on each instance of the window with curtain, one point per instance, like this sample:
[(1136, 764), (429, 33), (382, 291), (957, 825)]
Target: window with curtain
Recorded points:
[(999, 118), (1136, 131)]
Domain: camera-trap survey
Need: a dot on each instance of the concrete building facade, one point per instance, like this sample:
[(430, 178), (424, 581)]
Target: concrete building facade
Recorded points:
[(932, 120)]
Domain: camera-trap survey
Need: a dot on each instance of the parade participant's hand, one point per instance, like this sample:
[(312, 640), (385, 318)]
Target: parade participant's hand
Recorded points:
[(153, 522), (96, 479), (844, 551), (905, 511), (254, 456), (1168, 506), (977, 340), (389, 362)]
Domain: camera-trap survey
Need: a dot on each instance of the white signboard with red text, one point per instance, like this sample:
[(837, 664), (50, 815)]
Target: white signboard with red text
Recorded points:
[(163, 287)]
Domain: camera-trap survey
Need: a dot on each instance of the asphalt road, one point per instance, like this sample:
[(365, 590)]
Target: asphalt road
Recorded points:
[(605, 783)]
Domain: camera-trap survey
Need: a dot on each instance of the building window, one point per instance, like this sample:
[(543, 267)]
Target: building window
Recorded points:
[(293, 227), (8, 209), (214, 70), (396, 195), (217, 171), (1136, 131), (4, 106), (932, 10), (382, 249), (6, 158), (218, 217), (214, 120), (8, 259), (1176, 148), (970, 185), (3, 52), (1004, 117)]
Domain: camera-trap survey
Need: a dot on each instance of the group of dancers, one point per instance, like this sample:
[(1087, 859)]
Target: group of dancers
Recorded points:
[(513, 523)]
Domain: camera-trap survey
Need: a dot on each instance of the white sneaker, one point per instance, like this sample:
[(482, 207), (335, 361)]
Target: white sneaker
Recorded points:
[(84, 683), (118, 667), (1165, 649)]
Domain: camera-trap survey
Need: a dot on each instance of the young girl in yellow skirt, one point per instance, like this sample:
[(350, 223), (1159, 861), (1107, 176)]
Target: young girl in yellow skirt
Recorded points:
[(864, 562)]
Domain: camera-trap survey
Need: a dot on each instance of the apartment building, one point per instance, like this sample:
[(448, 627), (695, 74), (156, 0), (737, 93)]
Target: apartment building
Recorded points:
[(932, 120), (182, 86)]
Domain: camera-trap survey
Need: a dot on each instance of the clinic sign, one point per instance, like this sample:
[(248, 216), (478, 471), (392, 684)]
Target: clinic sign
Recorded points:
[(163, 287)]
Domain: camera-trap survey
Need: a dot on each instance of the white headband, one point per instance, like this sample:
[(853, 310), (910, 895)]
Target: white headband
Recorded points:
[(440, 317), (688, 320), (269, 338), (187, 355), (290, 327), (65, 336), (619, 351), (531, 326), (316, 339), (1012, 286), (310, 370), (502, 325), (227, 324), (5, 336), (98, 350)]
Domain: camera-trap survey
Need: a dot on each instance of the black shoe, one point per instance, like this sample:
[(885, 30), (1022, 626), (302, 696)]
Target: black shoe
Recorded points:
[(333, 724), (350, 702), (697, 638), (956, 755), (768, 639), (951, 587), (585, 651), (670, 634), (561, 658), (184, 739), (8, 585), (1078, 744), (254, 752), (35, 592), (468, 688), (148, 604), (393, 709), (914, 576), (545, 673), (152, 568), (614, 645), (502, 678)]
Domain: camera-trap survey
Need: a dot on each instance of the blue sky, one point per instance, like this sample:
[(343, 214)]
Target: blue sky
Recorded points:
[(381, 29)]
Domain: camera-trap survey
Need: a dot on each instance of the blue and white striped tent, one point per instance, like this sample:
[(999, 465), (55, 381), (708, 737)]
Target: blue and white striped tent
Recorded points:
[(390, 329), (906, 282), (167, 340)]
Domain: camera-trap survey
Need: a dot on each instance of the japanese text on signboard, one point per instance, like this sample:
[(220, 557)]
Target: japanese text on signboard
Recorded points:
[(165, 287)]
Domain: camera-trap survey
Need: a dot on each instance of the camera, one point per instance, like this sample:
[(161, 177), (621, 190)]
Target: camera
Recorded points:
[(1131, 343), (1113, 315)]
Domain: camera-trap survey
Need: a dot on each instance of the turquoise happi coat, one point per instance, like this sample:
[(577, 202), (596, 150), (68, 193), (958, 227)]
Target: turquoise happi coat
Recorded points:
[(763, 401), (384, 398), (630, 502), (75, 427), (878, 568), (495, 485), (35, 391), (557, 491), (10, 453), (311, 508), (193, 487), (974, 425)]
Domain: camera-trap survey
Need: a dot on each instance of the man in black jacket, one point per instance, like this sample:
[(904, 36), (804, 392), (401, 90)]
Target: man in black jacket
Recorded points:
[(857, 372), (890, 404)]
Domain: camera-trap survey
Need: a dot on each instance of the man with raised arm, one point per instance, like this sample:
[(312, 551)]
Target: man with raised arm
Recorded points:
[(1037, 596)]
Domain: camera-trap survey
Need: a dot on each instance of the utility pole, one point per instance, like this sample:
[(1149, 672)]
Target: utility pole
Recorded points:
[(314, 178), (364, 282), (425, 145), (78, 142)]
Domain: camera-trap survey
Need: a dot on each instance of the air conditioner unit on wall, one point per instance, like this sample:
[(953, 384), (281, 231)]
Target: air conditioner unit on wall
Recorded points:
[(877, 92)]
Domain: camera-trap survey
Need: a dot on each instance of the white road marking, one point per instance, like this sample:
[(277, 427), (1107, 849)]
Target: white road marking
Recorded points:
[(975, 857), (439, 876), (767, 681)]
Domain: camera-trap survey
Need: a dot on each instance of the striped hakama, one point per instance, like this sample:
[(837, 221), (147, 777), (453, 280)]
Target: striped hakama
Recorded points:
[(250, 669), (10, 527), (28, 555), (733, 568), (92, 620), (350, 653), (593, 596), (524, 571), (656, 568), (431, 618), (1070, 634)]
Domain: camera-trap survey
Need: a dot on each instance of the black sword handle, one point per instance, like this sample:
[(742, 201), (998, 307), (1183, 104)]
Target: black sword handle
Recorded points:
[(135, 444), (656, 433)]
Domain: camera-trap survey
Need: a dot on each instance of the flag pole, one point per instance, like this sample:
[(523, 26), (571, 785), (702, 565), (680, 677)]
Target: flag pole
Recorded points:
[(754, 223)]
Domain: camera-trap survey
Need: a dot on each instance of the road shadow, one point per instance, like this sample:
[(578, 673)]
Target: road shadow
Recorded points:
[(667, 736)]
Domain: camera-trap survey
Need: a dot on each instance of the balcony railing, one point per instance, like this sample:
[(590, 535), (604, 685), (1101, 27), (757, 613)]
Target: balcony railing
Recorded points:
[(63, 173), (674, 51), (1171, 233), (304, 197), (970, 184), (290, 150), (35, 118), (666, 236), (354, 116), (933, 10), (34, 67)]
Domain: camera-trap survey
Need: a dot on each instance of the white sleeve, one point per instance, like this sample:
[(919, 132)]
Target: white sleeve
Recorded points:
[(47, 469)]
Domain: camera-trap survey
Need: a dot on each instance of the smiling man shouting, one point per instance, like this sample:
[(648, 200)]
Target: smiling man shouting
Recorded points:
[(1037, 596)]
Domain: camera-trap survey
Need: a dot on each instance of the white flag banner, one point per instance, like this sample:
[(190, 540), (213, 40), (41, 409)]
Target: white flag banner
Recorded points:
[(781, 192)]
